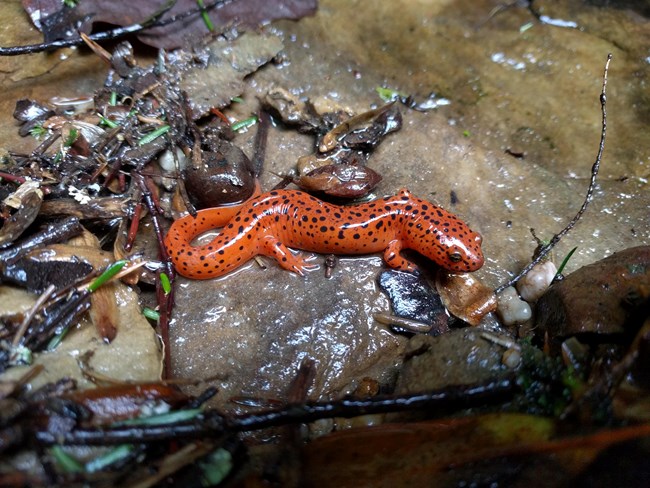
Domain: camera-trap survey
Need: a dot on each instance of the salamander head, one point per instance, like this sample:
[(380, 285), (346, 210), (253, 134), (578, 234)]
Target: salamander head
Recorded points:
[(445, 239), (464, 254)]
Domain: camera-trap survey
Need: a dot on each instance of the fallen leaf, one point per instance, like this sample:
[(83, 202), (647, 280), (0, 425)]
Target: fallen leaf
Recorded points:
[(57, 21)]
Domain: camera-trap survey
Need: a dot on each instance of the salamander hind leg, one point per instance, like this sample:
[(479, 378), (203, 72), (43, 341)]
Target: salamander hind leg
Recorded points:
[(395, 260), (285, 258)]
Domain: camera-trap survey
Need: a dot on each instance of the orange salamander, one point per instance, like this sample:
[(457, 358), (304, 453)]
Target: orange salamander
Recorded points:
[(271, 223)]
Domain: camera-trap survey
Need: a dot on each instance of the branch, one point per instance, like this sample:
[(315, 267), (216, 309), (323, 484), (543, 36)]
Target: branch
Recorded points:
[(590, 191), (117, 33)]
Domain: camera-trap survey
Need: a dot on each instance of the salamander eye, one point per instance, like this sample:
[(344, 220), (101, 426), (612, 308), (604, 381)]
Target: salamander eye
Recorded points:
[(455, 257)]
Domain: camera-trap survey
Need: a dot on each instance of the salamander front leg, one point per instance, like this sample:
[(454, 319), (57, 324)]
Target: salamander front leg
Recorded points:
[(285, 258), (395, 260)]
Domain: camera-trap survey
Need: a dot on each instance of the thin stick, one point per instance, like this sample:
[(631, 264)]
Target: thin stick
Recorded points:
[(30, 315), (117, 33), (590, 191)]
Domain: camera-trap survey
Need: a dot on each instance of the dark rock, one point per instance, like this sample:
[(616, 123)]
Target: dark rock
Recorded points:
[(596, 299)]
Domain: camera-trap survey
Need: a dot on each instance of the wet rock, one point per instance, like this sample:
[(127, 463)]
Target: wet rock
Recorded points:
[(459, 357), (224, 177), (413, 298), (596, 299), (254, 327), (215, 84)]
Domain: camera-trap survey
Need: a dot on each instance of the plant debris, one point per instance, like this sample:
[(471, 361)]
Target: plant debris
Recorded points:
[(59, 20)]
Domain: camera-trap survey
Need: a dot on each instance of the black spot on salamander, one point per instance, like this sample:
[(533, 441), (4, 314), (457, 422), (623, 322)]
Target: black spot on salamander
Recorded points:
[(314, 219), (341, 235), (274, 192), (356, 236), (189, 253), (202, 258), (425, 207), (221, 251), (337, 215), (241, 229), (322, 219), (305, 218), (379, 225), (408, 207), (323, 228), (231, 225)]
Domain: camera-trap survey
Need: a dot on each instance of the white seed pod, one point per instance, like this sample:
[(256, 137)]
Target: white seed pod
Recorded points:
[(511, 309), (534, 284)]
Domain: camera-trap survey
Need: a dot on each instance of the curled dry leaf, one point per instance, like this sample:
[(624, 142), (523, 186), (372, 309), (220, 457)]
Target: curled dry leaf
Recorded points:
[(27, 200), (363, 131), (465, 296), (341, 180)]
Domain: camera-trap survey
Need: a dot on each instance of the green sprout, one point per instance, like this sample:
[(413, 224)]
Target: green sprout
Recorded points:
[(151, 314), (564, 262), (107, 122), (164, 418), (204, 14), (72, 136), (67, 463), (165, 283), (244, 124), (111, 457), (388, 94), (152, 136), (37, 131), (111, 271)]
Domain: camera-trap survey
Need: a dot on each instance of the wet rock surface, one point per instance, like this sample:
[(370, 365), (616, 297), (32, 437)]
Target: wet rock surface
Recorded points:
[(257, 339), (459, 357)]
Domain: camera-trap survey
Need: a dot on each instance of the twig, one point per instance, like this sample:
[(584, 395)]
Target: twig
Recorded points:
[(117, 33), (165, 301), (59, 231), (212, 424), (30, 315), (592, 185), (261, 137)]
